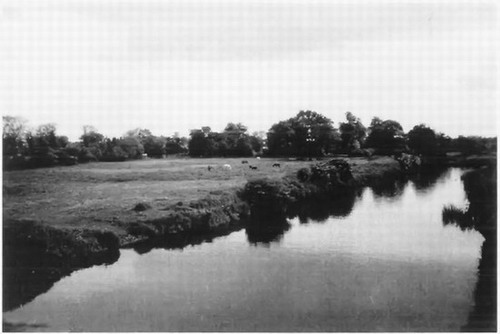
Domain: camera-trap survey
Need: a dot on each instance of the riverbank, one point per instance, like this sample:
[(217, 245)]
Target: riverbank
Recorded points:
[(169, 196), (81, 215)]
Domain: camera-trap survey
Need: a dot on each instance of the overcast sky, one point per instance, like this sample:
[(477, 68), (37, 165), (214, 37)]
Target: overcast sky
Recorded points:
[(171, 66)]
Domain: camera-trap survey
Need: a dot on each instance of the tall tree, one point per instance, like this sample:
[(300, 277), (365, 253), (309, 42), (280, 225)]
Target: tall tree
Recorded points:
[(175, 145), (307, 134), (46, 136), (352, 132), (141, 134), (93, 144), (14, 132), (423, 140), (199, 144), (91, 136), (387, 135)]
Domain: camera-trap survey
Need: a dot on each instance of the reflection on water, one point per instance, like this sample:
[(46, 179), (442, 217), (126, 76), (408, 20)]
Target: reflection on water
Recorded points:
[(319, 209), (389, 188), (428, 178), (180, 241), (376, 264), (263, 232)]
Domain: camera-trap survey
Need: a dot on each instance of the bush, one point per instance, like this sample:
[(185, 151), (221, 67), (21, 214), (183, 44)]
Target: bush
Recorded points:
[(332, 174), (142, 207), (267, 197), (66, 159), (43, 160), (86, 156), (304, 174)]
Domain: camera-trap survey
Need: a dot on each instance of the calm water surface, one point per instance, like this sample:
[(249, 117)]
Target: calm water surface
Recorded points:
[(387, 264)]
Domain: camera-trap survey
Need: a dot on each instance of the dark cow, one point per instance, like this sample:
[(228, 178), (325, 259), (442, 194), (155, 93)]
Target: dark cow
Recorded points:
[(252, 167), (209, 168), (277, 165), (244, 161)]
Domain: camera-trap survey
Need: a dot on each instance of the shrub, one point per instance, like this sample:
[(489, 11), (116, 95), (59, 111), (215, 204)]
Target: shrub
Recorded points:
[(304, 174), (141, 207)]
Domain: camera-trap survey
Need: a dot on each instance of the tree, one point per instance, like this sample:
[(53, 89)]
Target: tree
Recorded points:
[(236, 140), (218, 145), (141, 134), (469, 145), (91, 137), (206, 130), (244, 147), (423, 140), (307, 134), (257, 141), (93, 144), (14, 132), (154, 146), (175, 145), (387, 135), (235, 128), (46, 136), (233, 141), (199, 144), (352, 132), (132, 147), (280, 139), (112, 151)]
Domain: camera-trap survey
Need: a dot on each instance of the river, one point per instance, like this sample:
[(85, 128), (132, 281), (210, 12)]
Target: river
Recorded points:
[(384, 262)]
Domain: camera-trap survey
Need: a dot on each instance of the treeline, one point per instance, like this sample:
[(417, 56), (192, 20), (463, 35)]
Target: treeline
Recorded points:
[(42, 147), (308, 134)]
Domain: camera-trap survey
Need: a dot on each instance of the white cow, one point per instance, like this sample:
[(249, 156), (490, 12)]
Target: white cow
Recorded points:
[(226, 167)]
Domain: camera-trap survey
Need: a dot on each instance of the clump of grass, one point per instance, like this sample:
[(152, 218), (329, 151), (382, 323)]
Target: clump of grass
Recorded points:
[(141, 207), (304, 174)]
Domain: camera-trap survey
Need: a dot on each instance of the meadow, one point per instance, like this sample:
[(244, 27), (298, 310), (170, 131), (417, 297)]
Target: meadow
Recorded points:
[(102, 195)]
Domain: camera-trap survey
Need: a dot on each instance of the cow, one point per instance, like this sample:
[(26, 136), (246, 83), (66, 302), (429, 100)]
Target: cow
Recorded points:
[(252, 167), (209, 168), (277, 165), (244, 161), (226, 167), (258, 158)]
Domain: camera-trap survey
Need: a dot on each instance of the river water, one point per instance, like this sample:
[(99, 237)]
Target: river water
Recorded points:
[(384, 263)]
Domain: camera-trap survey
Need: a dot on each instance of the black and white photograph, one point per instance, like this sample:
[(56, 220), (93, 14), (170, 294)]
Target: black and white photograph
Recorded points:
[(249, 166)]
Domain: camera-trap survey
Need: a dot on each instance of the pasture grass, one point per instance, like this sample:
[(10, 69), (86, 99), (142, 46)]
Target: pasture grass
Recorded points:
[(103, 195), (97, 195)]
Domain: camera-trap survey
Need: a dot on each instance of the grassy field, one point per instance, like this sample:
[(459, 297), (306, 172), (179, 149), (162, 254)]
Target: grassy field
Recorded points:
[(103, 195)]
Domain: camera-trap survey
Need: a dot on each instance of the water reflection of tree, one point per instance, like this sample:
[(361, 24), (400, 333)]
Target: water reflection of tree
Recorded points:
[(265, 230), (389, 187), (393, 186), (427, 177), (183, 240), (320, 208), (480, 187)]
